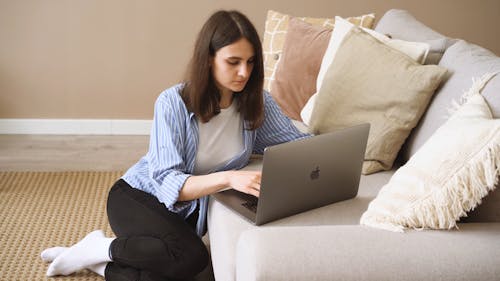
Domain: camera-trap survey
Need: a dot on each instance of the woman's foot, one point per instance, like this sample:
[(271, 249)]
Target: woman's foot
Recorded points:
[(50, 254), (90, 251)]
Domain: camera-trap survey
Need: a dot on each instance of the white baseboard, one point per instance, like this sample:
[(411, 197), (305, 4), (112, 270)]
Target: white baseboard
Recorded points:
[(75, 126)]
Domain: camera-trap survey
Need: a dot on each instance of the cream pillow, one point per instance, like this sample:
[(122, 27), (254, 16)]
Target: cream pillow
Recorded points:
[(371, 82), (275, 32), (447, 177), (416, 50)]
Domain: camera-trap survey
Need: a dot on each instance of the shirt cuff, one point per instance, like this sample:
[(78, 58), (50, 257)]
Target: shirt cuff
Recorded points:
[(168, 193)]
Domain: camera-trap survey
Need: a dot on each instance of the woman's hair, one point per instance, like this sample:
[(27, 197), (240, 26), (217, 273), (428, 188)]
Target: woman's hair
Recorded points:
[(200, 93)]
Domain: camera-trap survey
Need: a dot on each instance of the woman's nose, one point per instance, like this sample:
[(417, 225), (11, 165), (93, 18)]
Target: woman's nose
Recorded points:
[(243, 71)]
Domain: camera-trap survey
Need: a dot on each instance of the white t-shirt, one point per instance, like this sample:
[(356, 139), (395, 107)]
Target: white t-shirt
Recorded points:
[(220, 139)]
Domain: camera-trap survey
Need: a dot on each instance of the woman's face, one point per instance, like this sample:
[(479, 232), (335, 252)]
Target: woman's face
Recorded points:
[(232, 66)]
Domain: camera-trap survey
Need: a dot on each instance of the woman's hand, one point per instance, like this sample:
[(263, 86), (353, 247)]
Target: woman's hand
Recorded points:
[(245, 181)]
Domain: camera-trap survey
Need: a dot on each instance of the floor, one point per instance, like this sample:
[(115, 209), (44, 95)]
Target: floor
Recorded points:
[(75, 153), (70, 153)]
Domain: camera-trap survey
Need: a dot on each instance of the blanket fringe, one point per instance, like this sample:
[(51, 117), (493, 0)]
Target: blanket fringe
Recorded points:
[(476, 88), (465, 192)]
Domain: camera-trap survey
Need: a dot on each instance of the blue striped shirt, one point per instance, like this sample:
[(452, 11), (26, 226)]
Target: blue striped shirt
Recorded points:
[(170, 160)]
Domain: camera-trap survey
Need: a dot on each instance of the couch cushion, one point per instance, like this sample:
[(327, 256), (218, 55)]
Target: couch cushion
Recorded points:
[(359, 253), (463, 61), (401, 24), (225, 226)]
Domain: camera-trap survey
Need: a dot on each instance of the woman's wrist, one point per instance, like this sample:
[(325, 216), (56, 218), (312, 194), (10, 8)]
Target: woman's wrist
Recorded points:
[(224, 180), (199, 186)]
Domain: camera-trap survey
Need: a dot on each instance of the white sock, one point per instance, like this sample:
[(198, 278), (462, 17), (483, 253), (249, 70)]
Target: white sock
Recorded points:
[(92, 249), (98, 268), (50, 254)]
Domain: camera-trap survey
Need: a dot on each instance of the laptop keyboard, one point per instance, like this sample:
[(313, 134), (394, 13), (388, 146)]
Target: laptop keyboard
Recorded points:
[(251, 204)]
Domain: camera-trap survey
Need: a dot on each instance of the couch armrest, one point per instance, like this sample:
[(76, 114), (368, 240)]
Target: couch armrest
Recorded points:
[(359, 253)]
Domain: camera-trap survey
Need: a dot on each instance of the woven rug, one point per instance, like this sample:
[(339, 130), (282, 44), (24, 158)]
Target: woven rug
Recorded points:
[(45, 209)]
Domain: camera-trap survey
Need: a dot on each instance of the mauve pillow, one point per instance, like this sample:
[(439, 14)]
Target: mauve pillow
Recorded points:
[(295, 79), (274, 37)]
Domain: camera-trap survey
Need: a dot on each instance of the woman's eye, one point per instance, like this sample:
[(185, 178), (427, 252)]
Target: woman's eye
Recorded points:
[(233, 62)]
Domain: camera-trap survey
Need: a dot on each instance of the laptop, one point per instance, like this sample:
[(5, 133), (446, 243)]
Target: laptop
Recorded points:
[(302, 175)]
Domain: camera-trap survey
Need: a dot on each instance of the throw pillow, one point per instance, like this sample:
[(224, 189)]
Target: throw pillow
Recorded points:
[(369, 81), (416, 50), (400, 24), (296, 73), (274, 37), (447, 177)]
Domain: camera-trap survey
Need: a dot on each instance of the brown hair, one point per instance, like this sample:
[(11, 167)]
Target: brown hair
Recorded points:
[(200, 93)]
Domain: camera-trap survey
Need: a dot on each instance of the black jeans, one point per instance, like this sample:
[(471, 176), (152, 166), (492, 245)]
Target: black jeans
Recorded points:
[(152, 243)]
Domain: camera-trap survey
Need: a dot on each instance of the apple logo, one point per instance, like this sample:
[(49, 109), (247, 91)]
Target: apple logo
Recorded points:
[(315, 174)]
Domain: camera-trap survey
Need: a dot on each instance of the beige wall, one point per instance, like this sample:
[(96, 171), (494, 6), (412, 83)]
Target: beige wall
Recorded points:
[(111, 58)]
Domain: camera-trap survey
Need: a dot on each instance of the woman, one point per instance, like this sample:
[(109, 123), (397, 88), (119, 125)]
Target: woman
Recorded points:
[(203, 132)]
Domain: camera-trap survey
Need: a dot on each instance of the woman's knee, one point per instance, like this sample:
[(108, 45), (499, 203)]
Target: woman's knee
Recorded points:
[(116, 272), (191, 258), (176, 257)]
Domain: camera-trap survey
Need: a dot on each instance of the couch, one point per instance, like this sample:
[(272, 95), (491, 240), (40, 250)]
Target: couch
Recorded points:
[(328, 243)]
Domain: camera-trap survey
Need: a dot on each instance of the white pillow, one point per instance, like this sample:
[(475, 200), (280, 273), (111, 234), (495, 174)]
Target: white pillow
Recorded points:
[(416, 50), (448, 176)]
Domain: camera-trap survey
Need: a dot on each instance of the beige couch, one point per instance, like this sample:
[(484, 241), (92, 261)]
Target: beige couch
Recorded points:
[(329, 244)]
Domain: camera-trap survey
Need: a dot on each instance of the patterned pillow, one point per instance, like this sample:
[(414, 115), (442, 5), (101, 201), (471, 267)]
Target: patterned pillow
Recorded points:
[(274, 37)]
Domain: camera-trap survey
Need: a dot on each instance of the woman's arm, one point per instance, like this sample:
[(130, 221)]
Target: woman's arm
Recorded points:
[(277, 127), (167, 162), (199, 186), (168, 159)]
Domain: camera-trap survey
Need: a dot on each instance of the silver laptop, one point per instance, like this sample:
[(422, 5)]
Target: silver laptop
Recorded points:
[(302, 175)]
